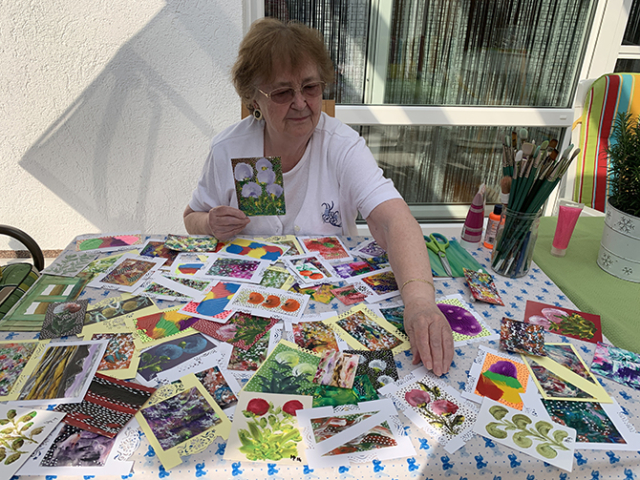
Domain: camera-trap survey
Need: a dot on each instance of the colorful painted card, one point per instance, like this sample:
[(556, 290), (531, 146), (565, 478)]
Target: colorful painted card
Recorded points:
[(362, 329), (191, 243), (14, 360), (337, 369), (466, 324), (349, 295), (102, 264), (243, 361), (500, 376), (329, 248), (234, 268), (62, 373), (217, 355), (213, 305), (28, 313), (291, 241), (362, 391), (370, 430), (288, 369), (259, 185), (63, 319), (173, 288), (520, 337), (617, 364), (380, 285), (315, 336), (277, 277), (369, 249), (107, 407), (242, 330), (482, 287), (156, 248), (248, 247), (277, 441), (23, 430), (269, 302), (563, 361), (435, 407), (564, 321), (318, 293), (222, 387), (378, 365), (310, 269), (122, 355), (394, 314), (115, 307), (108, 243), (554, 387), (181, 419), (128, 273), (155, 328), (189, 264), (353, 268), (69, 264), (544, 440)]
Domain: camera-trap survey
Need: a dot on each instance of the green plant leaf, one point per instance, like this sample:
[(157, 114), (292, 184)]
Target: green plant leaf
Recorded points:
[(521, 421), (498, 412), (521, 438), (494, 430), (543, 427), (546, 450), (560, 435)]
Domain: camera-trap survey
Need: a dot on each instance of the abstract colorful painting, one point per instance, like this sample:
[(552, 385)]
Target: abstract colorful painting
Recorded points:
[(158, 326), (394, 315), (482, 287), (249, 360), (128, 273), (14, 357), (554, 387), (362, 391), (369, 249), (349, 295), (564, 321), (318, 293), (277, 277), (232, 269), (329, 248), (102, 264), (63, 319), (315, 336), (290, 241), (269, 302), (247, 247), (75, 447), (214, 304), (116, 307), (353, 268), (617, 364), (310, 269), (466, 324), (259, 185), (382, 284), (379, 366), (189, 264), (69, 264), (120, 359), (337, 369), (156, 248), (191, 243), (218, 387), (521, 337), (242, 330), (173, 288), (106, 243)]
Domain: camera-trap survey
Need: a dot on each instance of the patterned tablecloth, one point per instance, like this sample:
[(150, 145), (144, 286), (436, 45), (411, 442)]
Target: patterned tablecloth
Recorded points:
[(479, 458)]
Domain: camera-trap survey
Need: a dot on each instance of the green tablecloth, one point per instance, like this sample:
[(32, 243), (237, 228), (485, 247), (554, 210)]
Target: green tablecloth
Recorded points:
[(589, 287)]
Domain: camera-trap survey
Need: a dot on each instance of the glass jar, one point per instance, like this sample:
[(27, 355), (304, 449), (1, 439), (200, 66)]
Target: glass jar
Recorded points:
[(515, 241)]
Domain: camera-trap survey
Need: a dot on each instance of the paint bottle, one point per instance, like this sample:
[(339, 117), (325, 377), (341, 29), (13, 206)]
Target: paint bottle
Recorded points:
[(492, 226), (568, 214), (471, 235)]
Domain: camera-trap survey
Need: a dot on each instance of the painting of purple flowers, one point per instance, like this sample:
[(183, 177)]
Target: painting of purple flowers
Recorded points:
[(259, 185)]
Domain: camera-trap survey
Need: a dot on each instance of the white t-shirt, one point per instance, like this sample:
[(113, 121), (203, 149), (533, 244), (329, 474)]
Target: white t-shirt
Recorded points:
[(336, 177)]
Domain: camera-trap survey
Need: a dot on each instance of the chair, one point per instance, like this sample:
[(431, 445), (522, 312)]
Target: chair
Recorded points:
[(328, 107), (17, 278), (608, 96)]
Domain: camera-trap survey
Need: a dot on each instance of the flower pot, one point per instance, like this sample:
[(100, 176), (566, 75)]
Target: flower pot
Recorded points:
[(619, 253)]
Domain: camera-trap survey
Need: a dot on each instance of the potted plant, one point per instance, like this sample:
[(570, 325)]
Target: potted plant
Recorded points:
[(619, 252)]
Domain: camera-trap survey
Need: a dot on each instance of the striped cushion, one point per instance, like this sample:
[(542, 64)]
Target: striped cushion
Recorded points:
[(609, 95), (15, 280)]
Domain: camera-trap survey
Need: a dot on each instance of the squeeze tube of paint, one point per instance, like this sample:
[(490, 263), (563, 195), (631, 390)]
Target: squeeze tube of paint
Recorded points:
[(568, 214)]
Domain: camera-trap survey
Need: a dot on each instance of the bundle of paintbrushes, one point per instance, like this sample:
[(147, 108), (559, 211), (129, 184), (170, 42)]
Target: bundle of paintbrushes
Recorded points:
[(535, 170)]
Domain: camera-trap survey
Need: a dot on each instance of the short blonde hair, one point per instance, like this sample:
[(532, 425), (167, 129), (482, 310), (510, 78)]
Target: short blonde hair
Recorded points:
[(294, 44)]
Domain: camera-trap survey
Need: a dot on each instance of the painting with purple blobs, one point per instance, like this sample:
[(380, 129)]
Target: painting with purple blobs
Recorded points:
[(74, 447), (465, 323), (521, 337), (617, 364), (353, 269)]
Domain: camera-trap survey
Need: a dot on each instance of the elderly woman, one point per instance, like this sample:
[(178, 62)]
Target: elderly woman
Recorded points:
[(329, 173)]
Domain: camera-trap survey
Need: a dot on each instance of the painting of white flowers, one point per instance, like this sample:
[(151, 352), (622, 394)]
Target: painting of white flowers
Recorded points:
[(259, 185)]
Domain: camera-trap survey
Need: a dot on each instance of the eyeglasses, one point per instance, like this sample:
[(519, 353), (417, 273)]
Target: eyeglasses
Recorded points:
[(287, 94)]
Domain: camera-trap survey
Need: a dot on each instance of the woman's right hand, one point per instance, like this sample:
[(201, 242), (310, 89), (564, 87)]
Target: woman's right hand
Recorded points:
[(226, 222)]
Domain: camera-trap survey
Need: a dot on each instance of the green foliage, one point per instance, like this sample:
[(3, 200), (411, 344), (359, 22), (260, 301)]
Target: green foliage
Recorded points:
[(15, 434), (624, 164)]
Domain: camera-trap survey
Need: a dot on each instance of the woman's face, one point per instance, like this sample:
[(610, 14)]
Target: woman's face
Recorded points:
[(298, 118)]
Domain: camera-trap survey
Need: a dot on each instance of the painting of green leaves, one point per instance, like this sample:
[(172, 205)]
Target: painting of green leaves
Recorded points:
[(259, 185)]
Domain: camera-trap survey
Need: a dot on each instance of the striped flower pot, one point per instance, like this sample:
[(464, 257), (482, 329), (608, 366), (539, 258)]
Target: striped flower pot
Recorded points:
[(619, 253)]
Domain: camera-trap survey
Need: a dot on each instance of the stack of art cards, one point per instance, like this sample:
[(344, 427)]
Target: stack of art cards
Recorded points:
[(362, 329), (330, 248), (156, 248), (435, 407), (155, 328), (310, 269), (61, 374), (122, 355), (189, 264), (466, 324), (617, 364), (337, 369), (248, 247), (108, 242), (482, 287), (23, 430), (107, 407), (379, 366), (269, 302), (222, 386), (500, 376), (213, 305), (191, 243), (379, 285), (242, 330), (259, 185), (370, 430), (234, 268), (114, 307), (181, 419), (544, 440), (128, 273), (564, 321), (17, 358), (63, 319), (564, 372), (520, 337), (277, 441)]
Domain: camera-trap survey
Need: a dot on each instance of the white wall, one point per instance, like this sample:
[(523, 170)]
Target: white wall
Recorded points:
[(106, 111)]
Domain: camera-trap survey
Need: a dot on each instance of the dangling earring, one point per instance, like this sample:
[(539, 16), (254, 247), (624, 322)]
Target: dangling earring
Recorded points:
[(257, 114)]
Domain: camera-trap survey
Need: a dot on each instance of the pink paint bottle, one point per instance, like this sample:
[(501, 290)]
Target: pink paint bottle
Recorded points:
[(568, 214)]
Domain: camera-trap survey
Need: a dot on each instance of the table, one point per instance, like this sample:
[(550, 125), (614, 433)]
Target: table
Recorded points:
[(480, 458), (589, 287)]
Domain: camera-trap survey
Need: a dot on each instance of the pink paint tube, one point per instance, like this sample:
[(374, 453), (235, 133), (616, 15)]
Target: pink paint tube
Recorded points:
[(568, 214)]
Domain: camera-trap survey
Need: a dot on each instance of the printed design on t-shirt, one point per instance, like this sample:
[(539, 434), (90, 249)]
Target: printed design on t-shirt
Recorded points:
[(331, 217)]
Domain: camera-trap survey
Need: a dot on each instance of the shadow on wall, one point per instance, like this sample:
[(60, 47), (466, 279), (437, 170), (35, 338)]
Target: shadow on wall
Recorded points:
[(127, 153)]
